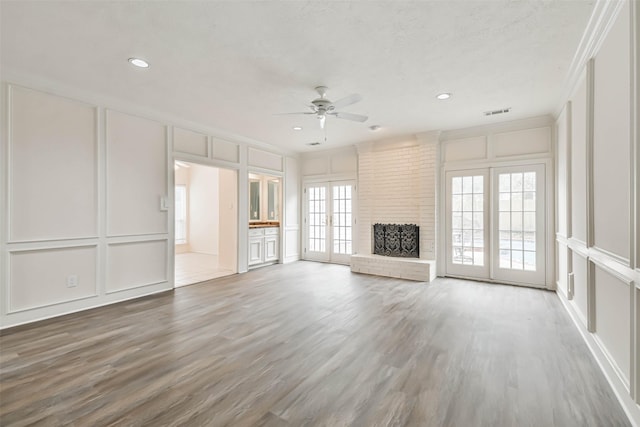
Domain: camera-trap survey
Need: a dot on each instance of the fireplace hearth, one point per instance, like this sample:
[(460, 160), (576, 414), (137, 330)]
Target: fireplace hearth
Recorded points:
[(396, 240)]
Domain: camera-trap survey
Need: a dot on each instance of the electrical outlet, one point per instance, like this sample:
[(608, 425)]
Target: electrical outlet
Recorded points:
[(72, 281)]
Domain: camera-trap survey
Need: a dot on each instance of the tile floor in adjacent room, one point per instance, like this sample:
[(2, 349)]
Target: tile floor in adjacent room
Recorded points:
[(193, 267)]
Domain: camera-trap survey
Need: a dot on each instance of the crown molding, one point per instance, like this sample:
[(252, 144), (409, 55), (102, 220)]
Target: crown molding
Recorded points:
[(602, 19)]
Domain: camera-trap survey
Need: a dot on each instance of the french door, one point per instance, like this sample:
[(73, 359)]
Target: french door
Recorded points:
[(495, 224), (329, 221)]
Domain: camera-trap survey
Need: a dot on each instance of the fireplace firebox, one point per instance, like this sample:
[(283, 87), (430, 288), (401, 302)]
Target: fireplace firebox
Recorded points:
[(396, 240)]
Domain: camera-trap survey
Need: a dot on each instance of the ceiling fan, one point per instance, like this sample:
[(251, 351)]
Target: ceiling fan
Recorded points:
[(323, 107)]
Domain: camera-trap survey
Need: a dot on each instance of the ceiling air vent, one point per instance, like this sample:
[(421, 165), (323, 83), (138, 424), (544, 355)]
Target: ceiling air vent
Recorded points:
[(494, 112)]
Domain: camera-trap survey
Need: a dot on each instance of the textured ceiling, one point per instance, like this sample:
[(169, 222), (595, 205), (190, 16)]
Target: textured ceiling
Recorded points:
[(232, 65)]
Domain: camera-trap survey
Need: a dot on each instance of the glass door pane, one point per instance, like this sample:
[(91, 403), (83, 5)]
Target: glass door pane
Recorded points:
[(466, 223), (519, 224), (342, 222), (329, 220), (317, 221)]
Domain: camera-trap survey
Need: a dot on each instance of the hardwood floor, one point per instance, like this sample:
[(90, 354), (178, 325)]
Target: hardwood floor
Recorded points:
[(310, 344)]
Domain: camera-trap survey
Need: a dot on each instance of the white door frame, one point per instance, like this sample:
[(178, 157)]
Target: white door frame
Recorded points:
[(328, 255), (549, 215)]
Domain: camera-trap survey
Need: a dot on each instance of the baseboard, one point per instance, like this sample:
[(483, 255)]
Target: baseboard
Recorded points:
[(630, 407)]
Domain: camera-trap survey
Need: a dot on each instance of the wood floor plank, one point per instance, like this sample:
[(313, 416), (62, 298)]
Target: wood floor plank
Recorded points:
[(309, 344)]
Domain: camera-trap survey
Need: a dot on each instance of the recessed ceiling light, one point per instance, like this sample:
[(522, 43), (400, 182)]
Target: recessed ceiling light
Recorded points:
[(139, 62), (297, 128), (443, 96), (374, 128)]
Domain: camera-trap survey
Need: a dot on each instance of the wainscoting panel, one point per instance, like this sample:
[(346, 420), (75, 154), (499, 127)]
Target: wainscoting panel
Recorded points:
[(291, 244), (529, 141), (224, 150), (613, 320), (136, 264), (53, 167), (188, 142), (562, 269), (474, 148), (578, 159), (580, 293), (136, 175), (264, 159), (611, 136), (39, 278)]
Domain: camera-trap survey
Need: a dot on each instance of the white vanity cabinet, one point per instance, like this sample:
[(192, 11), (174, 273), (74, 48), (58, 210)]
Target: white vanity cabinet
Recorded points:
[(263, 246)]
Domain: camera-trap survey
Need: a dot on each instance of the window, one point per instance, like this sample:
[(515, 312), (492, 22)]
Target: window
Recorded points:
[(181, 214)]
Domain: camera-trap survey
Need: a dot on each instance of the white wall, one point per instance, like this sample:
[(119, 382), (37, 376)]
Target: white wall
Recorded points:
[(228, 220), (291, 232), (204, 209), (81, 185), (597, 163), (83, 191)]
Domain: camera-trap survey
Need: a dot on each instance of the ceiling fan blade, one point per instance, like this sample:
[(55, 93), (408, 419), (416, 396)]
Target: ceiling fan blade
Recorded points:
[(289, 114), (350, 116), (351, 99)]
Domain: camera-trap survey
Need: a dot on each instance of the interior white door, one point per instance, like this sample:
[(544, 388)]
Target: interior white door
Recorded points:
[(519, 224), (329, 221), (467, 223), (495, 224)]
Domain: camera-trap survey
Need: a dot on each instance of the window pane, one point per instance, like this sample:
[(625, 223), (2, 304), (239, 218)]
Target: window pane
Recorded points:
[(467, 238), (505, 239), (505, 258), (516, 240), (516, 260), (516, 182), (530, 261), (504, 221), (457, 255), (478, 238), (467, 220), (478, 202), (478, 184), (478, 257), (516, 202), (456, 237), (504, 182), (529, 201), (467, 202), (529, 221), (530, 181), (516, 221), (456, 220), (456, 203), (504, 204), (456, 185), (529, 241), (478, 220), (467, 184)]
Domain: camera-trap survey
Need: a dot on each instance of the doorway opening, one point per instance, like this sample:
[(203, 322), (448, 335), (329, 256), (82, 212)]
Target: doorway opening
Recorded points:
[(206, 222)]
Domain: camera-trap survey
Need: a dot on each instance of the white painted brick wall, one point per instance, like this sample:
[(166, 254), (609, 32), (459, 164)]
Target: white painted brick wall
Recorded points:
[(398, 186)]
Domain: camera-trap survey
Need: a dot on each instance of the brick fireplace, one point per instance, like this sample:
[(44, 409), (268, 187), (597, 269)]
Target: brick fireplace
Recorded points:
[(397, 185)]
